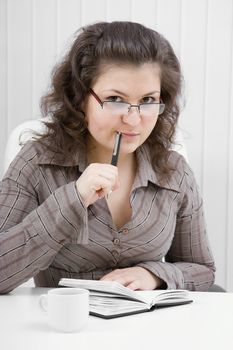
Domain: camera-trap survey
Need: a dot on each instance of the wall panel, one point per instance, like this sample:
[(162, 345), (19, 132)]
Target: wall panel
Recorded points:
[(19, 47), (119, 10), (68, 22), (229, 185), (44, 48), (168, 21), (139, 8), (92, 14), (193, 62), (216, 124)]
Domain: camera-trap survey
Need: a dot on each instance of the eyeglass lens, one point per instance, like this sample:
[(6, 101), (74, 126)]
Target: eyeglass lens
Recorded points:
[(149, 109)]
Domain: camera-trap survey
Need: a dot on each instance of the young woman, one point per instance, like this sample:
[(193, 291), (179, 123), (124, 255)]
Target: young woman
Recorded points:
[(66, 211)]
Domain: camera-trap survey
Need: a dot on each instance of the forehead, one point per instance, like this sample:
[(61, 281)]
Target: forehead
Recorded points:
[(128, 77)]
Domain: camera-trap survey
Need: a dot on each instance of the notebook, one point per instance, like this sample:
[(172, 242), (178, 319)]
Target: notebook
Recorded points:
[(111, 299)]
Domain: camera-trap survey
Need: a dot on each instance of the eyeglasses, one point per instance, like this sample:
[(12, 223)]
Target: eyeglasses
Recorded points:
[(118, 108)]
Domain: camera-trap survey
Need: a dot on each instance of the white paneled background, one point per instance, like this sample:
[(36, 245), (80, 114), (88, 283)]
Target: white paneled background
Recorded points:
[(34, 33)]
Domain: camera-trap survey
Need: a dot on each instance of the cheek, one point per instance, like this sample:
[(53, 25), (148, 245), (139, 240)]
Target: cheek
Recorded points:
[(98, 124), (149, 126)]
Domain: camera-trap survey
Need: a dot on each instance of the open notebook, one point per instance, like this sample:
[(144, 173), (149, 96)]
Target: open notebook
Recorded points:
[(111, 299)]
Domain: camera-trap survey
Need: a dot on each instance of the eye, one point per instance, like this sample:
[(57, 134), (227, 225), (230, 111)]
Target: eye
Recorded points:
[(114, 99), (148, 99)]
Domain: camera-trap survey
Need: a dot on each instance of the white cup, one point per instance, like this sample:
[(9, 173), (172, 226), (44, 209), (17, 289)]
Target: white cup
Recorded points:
[(67, 308)]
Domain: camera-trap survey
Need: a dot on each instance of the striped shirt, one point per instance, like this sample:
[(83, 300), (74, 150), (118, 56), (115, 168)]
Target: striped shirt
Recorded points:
[(47, 233)]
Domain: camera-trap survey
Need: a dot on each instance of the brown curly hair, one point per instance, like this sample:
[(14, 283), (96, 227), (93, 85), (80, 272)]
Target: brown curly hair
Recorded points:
[(115, 42)]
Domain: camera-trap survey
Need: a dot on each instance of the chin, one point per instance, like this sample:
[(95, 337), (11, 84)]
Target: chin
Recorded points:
[(127, 149)]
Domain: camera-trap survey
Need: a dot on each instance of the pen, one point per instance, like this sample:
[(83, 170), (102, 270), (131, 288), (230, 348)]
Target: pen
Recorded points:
[(115, 153), (116, 149)]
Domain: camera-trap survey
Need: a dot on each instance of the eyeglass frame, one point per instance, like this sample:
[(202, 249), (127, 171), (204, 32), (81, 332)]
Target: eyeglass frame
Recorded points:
[(101, 103)]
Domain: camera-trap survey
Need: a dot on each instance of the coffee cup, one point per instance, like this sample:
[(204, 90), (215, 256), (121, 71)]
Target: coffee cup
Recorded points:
[(67, 308)]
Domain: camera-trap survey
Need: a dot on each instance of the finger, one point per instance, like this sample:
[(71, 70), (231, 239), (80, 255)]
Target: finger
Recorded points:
[(101, 184), (112, 275), (134, 285), (125, 280), (107, 277)]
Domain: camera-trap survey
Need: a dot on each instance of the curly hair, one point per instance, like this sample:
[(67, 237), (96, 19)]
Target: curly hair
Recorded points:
[(120, 43)]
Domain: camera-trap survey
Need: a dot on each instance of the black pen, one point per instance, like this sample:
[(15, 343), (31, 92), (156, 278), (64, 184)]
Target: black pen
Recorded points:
[(115, 153), (116, 149)]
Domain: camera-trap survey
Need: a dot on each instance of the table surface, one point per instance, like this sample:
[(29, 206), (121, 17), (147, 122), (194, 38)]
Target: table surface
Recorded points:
[(207, 323)]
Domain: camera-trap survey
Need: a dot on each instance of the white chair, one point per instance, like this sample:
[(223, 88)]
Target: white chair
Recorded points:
[(22, 132)]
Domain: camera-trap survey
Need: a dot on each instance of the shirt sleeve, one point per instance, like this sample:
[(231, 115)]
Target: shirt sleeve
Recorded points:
[(31, 234), (189, 262)]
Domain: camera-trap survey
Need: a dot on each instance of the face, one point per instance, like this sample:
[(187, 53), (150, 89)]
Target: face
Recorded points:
[(131, 84)]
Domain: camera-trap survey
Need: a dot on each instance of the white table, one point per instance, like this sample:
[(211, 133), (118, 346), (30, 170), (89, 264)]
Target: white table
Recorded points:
[(205, 324)]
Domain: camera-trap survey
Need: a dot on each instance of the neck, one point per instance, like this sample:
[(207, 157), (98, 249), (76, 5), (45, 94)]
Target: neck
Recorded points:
[(94, 156)]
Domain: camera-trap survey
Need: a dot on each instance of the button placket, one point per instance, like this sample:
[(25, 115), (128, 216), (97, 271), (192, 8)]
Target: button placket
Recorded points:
[(125, 230), (115, 253), (116, 241)]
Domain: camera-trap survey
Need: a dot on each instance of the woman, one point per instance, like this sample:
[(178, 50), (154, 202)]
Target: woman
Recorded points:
[(66, 211)]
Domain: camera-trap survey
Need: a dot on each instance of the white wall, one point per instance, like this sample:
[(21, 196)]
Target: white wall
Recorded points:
[(33, 33)]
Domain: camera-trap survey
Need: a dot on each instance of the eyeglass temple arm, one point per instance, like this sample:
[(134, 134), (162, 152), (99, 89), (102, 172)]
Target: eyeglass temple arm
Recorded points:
[(96, 97)]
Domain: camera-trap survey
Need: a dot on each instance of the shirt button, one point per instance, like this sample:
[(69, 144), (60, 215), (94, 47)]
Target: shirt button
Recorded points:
[(125, 230), (116, 241)]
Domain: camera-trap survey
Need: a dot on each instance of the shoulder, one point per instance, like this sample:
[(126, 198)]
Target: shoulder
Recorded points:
[(32, 151), (26, 161), (182, 174), (190, 196)]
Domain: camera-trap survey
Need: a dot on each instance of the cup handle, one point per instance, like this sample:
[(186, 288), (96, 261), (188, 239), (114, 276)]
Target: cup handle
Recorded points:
[(43, 302)]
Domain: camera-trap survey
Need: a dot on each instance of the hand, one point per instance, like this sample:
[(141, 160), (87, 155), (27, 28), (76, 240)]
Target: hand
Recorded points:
[(96, 182), (135, 278)]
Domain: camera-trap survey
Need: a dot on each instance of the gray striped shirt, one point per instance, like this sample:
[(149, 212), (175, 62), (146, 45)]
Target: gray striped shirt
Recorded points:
[(47, 233)]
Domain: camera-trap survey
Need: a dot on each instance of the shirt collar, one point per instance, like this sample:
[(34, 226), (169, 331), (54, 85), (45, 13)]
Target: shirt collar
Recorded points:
[(53, 158), (145, 173)]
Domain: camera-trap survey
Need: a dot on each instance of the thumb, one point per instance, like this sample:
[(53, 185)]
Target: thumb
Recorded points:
[(116, 186)]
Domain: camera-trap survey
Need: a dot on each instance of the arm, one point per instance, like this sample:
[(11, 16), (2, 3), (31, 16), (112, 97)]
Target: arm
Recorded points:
[(31, 234), (189, 262)]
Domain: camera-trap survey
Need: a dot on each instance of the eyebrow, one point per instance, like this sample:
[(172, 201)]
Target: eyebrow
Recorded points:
[(125, 95)]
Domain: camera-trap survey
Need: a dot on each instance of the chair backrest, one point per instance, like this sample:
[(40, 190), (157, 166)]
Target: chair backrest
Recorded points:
[(24, 133)]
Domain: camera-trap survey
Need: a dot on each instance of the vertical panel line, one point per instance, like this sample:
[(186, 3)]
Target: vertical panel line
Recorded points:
[(7, 68), (5, 85), (56, 26), (204, 97), (228, 241), (156, 14), (81, 13), (181, 26), (32, 57), (130, 2), (105, 10)]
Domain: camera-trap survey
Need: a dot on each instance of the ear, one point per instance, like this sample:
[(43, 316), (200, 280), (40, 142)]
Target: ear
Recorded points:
[(84, 117), (83, 108)]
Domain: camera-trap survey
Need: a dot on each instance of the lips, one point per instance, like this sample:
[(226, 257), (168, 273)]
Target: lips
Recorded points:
[(127, 133)]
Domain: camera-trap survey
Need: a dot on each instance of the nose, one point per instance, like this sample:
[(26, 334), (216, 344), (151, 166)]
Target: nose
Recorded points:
[(133, 117)]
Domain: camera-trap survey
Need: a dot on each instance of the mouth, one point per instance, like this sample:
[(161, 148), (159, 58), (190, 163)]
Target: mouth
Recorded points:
[(129, 134)]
